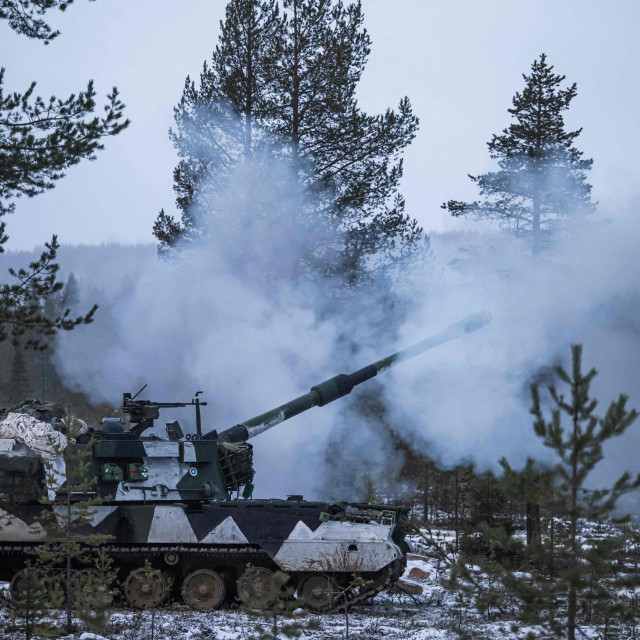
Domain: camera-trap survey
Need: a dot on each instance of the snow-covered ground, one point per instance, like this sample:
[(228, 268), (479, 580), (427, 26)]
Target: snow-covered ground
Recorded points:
[(420, 609), (435, 614)]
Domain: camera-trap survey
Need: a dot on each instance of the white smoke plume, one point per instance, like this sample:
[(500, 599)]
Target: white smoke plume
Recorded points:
[(196, 324), (471, 399), (217, 319)]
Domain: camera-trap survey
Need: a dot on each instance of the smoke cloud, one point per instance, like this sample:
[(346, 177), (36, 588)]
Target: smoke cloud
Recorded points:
[(471, 399), (234, 316)]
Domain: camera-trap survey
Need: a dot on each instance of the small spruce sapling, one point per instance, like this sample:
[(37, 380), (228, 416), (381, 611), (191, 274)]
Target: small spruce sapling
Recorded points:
[(579, 449), (567, 573), (71, 543), (567, 577), (28, 602), (280, 613), (356, 585)]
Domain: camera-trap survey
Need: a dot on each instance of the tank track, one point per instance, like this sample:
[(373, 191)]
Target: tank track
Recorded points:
[(178, 548), (339, 605), (235, 553)]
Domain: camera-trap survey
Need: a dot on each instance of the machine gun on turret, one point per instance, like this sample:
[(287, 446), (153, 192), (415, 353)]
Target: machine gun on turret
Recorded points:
[(142, 413)]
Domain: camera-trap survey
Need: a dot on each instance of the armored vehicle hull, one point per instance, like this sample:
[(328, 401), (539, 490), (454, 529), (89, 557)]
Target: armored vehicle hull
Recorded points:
[(222, 552)]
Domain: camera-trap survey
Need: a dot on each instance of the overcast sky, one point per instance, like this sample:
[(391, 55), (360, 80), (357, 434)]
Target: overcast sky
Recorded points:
[(459, 62)]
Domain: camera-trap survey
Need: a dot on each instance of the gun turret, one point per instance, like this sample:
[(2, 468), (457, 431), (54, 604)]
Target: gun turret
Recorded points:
[(342, 384)]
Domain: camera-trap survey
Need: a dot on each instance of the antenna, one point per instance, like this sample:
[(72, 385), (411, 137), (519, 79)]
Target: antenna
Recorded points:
[(139, 392)]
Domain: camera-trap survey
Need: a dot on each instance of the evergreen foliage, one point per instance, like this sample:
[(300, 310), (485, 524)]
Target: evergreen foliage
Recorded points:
[(70, 297), (215, 122), (541, 178), (69, 556), (28, 603), (281, 88), (22, 312), (22, 16), (39, 140), (279, 613), (568, 576)]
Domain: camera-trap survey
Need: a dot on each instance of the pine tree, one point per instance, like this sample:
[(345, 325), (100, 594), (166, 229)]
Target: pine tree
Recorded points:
[(350, 160), (22, 16), (215, 122), (541, 178), (70, 298), (567, 570), (488, 502), (580, 450), (290, 99), (39, 140)]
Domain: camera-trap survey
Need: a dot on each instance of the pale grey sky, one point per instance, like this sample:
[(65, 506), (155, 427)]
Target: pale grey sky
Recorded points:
[(459, 62)]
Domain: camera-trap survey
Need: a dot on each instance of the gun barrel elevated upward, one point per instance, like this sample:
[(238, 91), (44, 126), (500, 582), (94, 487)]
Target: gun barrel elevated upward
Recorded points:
[(342, 384)]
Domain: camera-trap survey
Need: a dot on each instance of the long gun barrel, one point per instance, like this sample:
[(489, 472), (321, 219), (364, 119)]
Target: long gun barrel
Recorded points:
[(342, 384)]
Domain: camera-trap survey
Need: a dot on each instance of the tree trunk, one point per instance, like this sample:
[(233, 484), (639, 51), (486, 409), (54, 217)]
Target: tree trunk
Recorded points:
[(67, 532), (295, 96), (537, 240), (248, 107), (552, 540), (425, 495), (455, 506), (573, 532), (533, 522)]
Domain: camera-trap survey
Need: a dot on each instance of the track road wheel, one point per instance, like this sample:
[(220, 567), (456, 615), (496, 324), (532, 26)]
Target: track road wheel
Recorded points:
[(203, 589), (318, 592), (257, 589), (145, 588), (30, 587)]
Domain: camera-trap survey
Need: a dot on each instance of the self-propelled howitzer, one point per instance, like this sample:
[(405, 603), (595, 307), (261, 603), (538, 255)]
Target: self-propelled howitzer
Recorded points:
[(168, 509)]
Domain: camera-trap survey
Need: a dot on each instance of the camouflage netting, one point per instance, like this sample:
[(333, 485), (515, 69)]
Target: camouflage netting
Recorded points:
[(39, 436), (37, 424), (36, 430), (41, 410)]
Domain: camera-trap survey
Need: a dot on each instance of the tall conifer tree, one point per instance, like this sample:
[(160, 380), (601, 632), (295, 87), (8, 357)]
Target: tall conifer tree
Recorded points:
[(541, 178), (39, 140), (215, 121), (294, 86)]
